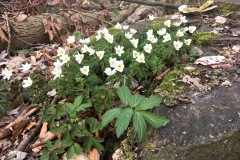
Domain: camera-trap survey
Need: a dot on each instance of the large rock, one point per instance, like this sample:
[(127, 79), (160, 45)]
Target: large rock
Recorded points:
[(208, 129)]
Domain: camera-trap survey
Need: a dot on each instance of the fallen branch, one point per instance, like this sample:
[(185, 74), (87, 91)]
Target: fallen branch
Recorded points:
[(150, 3)]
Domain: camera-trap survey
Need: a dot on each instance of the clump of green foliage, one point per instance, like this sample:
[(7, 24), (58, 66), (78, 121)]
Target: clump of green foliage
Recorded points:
[(203, 37), (228, 8)]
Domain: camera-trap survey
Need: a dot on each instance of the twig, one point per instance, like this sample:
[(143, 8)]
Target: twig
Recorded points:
[(124, 16), (150, 3), (160, 76), (22, 146), (9, 34)]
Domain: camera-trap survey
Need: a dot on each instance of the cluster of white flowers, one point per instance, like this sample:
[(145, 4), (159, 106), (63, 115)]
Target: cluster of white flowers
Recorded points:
[(151, 37), (7, 73), (115, 65)]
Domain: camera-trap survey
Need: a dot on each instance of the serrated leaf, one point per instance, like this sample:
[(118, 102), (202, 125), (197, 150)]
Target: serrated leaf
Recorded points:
[(45, 156), (97, 143), (78, 101), (56, 143), (59, 150), (59, 129), (83, 106), (110, 115), (92, 122), (136, 99), (123, 121), (70, 152), (87, 144), (150, 102), (70, 107), (77, 148), (139, 126), (48, 144), (66, 143), (124, 94), (78, 35), (154, 119)]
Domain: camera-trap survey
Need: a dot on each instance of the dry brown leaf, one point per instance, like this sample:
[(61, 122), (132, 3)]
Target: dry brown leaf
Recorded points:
[(4, 144), (37, 148), (21, 17), (82, 156), (94, 154), (195, 81), (225, 65), (28, 127), (2, 36)]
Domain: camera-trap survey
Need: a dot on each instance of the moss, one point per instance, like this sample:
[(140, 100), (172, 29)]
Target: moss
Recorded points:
[(203, 37), (227, 8)]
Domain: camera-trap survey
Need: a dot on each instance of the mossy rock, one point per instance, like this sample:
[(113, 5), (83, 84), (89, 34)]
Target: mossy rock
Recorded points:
[(206, 129), (200, 38)]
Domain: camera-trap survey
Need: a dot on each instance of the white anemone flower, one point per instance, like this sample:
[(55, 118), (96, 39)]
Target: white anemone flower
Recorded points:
[(109, 38), (141, 58), (118, 26), (105, 31), (25, 67), (192, 29), (85, 41), (65, 58), (79, 58), (177, 24), (91, 51), (185, 29), (112, 61), (98, 36), (100, 54), (56, 72), (150, 37), (167, 23), (149, 32), (109, 71), (27, 83), (151, 17), (125, 27), (84, 49), (58, 64), (148, 48), (154, 40), (85, 70), (134, 42), (167, 37), (133, 31), (60, 51), (179, 33), (119, 50), (162, 31), (71, 39), (119, 66), (177, 44), (135, 54), (6, 73), (183, 19), (128, 35), (187, 41)]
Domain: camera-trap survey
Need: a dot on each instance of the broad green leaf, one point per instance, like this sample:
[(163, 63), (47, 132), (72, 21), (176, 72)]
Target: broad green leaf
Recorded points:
[(139, 126), (110, 115), (59, 129), (124, 94), (45, 155), (70, 152), (87, 144), (154, 119), (61, 110), (150, 102), (48, 144), (59, 150), (136, 99), (77, 148), (92, 122), (70, 107), (56, 143), (83, 106), (123, 121), (66, 143), (97, 143), (78, 101)]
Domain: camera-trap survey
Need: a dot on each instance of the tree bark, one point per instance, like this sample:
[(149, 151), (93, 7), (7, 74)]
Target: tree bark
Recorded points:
[(31, 31)]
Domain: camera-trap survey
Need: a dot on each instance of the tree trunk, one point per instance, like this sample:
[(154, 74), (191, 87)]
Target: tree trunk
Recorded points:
[(31, 31)]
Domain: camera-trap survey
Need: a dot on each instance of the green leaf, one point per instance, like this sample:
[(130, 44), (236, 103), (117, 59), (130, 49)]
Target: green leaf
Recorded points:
[(97, 143), (154, 119), (77, 148), (59, 129), (123, 121), (92, 122), (56, 143), (124, 94), (78, 101), (48, 144), (70, 152), (110, 115), (78, 35), (66, 143), (45, 155), (150, 102), (139, 126), (59, 151), (87, 144), (136, 99), (70, 107), (83, 106)]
